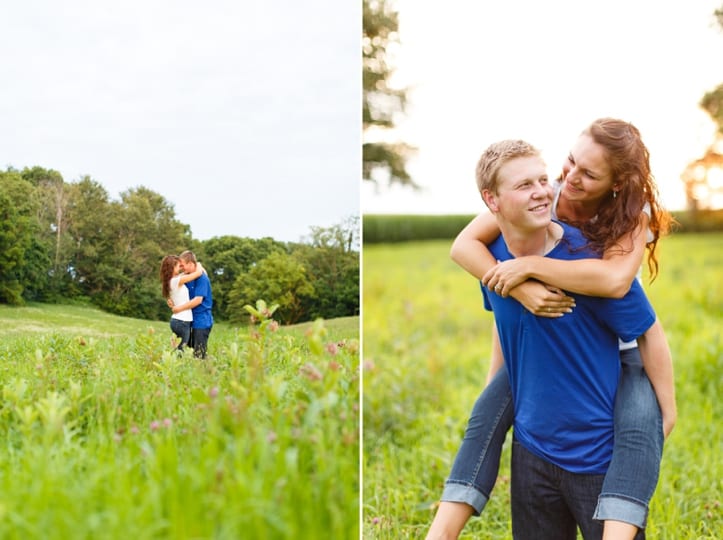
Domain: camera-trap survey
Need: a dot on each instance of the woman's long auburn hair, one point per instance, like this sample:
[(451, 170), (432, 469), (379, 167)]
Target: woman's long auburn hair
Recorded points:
[(168, 266), (629, 162)]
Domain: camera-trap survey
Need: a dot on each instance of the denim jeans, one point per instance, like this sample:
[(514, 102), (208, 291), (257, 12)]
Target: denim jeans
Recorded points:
[(199, 341), (475, 468), (635, 466), (183, 330), (633, 472), (548, 502)]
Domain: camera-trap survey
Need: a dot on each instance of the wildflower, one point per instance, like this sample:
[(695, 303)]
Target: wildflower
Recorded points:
[(311, 372), (213, 392), (134, 429), (271, 437), (331, 348), (273, 326), (167, 422), (155, 425)]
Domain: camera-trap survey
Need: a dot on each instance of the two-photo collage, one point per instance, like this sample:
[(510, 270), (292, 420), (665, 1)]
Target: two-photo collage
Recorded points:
[(368, 270)]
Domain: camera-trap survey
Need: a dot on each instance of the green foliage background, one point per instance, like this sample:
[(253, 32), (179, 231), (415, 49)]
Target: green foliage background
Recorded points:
[(387, 228), (63, 242), (426, 347)]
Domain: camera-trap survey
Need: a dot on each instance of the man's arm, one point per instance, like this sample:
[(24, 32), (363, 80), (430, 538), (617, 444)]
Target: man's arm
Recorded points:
[(192, 303), (497, 359)]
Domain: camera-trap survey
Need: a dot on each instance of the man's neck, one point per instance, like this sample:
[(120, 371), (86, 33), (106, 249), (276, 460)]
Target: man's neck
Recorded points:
[(521, 243)]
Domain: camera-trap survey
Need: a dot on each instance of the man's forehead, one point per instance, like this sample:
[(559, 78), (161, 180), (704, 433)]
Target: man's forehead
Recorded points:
[(523, 168)]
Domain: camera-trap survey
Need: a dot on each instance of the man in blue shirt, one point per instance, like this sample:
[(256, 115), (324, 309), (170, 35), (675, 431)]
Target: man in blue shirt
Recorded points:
[(201, 302), (563, 372)]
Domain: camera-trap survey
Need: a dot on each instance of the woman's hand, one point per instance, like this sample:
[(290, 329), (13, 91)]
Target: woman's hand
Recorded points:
[(506, 275), (543, 300), (668, 423)]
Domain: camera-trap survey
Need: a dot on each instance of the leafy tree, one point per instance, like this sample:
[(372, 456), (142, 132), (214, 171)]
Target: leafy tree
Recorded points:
[(144, 229), (343, 236), (118, 246), (278, 279), (91, 237), (227, 257), (381, 103), (335, 276), (53, 198), (332, 260), (18, 225)]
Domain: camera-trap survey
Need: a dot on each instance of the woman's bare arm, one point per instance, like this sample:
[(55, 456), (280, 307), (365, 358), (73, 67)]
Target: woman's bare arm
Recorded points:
[(609, 277), (658, 364), (469, 249), (185, 278)]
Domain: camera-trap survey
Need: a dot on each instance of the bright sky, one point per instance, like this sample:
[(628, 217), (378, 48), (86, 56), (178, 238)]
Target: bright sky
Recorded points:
[(243, 115), (542, 71)]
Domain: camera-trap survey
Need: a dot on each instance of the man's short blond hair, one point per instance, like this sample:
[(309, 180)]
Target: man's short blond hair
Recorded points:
[(188, 256), (495, 156)]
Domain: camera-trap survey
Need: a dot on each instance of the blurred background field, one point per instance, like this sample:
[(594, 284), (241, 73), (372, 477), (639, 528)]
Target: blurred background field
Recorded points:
[(426, 347)]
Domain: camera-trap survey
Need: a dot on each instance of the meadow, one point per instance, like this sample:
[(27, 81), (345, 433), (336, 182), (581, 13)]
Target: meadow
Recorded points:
[(426, 348), (107, 434)]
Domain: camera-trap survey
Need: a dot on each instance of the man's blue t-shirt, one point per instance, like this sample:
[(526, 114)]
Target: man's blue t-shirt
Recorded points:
[(564, 372), (201, 286)]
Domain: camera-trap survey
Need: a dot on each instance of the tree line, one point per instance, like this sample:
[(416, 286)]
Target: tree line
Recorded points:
[(62, 241)]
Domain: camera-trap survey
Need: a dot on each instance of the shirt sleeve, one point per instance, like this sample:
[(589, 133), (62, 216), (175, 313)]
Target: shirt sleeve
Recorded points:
[(203, 287), (630, 316)]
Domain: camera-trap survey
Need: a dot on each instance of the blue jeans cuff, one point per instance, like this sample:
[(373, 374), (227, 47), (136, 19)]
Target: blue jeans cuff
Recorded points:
[(621, 508), (464, 493)]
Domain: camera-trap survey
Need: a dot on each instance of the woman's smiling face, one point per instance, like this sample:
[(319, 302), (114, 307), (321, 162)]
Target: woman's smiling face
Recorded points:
[(586, 172)]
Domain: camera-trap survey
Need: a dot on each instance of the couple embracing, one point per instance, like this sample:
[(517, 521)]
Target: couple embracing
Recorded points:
[(187, 289)]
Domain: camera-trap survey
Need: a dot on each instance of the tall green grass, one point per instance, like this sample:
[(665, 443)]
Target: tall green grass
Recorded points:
[(426, 348), (107, 434)]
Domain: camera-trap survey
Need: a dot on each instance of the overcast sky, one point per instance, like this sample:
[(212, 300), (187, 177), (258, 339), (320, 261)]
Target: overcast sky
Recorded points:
[(478, 72), (243, 115)]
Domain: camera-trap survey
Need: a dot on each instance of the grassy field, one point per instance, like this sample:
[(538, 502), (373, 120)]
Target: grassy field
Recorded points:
[(426, 347), (106, 434)]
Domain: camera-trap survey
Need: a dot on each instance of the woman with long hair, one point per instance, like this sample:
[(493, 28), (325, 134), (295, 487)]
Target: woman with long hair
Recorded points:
[(173, 288), (607, 190)]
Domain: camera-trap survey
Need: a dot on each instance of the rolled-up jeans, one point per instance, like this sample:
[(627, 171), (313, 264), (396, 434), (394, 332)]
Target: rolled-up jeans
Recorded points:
[(633, 472)]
